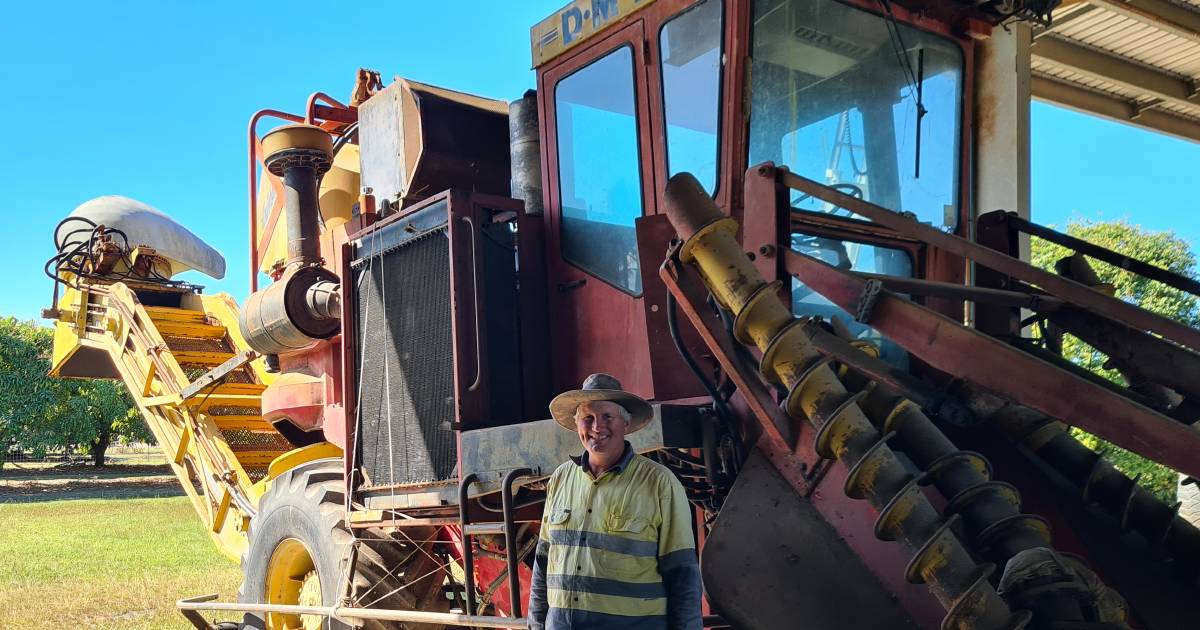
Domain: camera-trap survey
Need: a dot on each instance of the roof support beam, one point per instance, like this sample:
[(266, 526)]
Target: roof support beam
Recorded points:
[(1112, 108), (1162, 14), (1064, 19), (1100, 65)]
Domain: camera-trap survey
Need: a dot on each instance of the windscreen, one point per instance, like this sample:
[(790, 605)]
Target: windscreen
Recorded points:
[(858, 101)]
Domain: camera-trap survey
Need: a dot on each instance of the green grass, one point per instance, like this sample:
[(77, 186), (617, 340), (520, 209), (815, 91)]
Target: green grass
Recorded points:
[(111, 563)]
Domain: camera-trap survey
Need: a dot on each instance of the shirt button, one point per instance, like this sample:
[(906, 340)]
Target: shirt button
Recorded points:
[(579, 568), (589, 510)]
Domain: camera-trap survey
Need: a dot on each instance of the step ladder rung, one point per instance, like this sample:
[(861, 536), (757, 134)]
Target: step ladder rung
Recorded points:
[(256, 458), (242, 423), (201, 357), (202, 402), (166, 313), (195, 330), (247, 389), (482, 529)]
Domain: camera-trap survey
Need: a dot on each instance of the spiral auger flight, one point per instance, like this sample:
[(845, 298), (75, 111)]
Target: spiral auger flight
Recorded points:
[(864, 427)]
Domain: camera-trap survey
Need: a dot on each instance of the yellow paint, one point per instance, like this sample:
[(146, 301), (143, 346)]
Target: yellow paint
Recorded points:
[(366, 516), (340, 187), (66, 339), (270, 197), (223, 310), (124, 342), (294, 458), (576, 23), (291, 579)]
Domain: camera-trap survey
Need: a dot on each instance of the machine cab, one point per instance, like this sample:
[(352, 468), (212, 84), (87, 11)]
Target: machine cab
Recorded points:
[(866, 97)]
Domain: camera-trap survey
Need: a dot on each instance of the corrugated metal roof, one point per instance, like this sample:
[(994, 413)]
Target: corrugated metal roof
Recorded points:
[(1141, 53)]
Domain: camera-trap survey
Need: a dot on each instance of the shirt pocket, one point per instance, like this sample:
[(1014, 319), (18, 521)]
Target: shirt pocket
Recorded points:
[(632, 547), (627, 525), (556, 517)]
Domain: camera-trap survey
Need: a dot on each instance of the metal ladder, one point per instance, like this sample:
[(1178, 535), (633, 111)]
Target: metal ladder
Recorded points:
[(506, 527)]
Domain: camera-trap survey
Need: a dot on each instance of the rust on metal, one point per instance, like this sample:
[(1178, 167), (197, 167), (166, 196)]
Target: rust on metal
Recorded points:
[(969, 354), (1060, 287), (905, 514)]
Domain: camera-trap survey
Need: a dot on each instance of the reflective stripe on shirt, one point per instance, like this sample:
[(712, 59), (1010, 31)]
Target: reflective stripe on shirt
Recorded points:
[(606, 545)]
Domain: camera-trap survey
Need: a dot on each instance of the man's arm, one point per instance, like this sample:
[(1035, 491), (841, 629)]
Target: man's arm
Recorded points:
[(677, 559), (537, 591), (538, 606)]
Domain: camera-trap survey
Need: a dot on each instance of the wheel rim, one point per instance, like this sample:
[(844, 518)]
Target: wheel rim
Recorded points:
[(292, 579)]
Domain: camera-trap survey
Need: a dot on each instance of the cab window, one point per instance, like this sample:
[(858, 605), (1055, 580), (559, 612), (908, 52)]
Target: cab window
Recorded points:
[(860, 258), (599, 171), (689, 46), (841, 95)]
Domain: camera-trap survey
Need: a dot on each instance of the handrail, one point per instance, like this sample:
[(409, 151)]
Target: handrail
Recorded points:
[(1165, 276), (1058, 286), (253, 173), (348, 614), (311, 106), (510, 538), (309, 117)]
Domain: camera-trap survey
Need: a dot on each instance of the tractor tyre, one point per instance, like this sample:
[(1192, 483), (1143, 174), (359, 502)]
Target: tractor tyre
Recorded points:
[(300, 549)]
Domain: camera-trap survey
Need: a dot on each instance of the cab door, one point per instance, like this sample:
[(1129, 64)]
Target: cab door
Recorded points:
[(598, 181)]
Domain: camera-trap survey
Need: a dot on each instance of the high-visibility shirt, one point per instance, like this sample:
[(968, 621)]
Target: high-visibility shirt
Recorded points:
[(616, 551)]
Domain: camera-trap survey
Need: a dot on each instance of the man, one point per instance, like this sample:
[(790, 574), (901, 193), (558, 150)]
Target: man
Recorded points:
[(616, 548)]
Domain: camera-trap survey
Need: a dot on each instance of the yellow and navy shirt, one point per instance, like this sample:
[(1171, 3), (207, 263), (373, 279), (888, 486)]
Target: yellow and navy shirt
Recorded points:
[(616, 551)]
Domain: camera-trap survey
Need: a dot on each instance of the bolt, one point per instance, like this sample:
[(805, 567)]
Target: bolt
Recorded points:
[(767, 250)]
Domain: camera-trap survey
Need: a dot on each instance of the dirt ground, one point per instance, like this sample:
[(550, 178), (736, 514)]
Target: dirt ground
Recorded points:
[(75, 481)]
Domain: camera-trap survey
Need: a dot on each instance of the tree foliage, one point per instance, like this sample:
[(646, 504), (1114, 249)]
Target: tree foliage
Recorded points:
[(38, 413), (1161, 249)]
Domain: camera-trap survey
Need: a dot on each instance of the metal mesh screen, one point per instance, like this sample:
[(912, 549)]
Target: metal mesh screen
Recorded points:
[(406, 379)]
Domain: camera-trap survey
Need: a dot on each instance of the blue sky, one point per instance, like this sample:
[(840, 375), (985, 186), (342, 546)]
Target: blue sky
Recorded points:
[(151, 99)]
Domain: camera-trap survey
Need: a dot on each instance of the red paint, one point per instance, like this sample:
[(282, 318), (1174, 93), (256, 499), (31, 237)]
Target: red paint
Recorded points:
[(955, 349), (594, 326), (301, 401), (793, 454)]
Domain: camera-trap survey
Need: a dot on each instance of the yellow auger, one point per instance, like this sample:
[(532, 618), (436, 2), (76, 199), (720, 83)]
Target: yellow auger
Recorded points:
[(843, 431)]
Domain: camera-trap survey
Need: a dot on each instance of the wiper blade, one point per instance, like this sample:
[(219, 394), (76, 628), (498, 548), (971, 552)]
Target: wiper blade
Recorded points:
[(920, 110)]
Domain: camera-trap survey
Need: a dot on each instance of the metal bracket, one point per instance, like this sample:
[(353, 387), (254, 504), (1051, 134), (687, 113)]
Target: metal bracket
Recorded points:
[(218, 373), (866, 300)]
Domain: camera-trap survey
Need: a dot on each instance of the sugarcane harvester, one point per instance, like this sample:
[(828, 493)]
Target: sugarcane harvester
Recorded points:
[(755, 214)]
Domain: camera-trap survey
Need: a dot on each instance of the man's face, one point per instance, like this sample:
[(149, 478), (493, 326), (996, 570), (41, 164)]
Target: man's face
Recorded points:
[(601, 427)]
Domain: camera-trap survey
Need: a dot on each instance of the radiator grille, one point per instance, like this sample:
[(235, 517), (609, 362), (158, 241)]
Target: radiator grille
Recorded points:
[(406, 378)]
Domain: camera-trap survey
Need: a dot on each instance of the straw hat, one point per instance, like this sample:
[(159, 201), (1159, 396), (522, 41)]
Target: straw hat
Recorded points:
[(600, 387)]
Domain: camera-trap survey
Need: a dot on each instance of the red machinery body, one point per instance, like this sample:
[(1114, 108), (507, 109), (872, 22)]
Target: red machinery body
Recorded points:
[(526, 312)]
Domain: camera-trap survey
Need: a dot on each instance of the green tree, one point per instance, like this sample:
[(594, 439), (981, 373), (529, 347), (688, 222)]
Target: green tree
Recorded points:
[(1162, 249), (38, 412)]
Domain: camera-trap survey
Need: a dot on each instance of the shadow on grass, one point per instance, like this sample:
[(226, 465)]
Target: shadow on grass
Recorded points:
[(60, 483), (82, 471)]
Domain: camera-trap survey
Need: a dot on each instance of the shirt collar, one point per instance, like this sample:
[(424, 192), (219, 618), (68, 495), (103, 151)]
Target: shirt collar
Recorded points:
[(626, 457)]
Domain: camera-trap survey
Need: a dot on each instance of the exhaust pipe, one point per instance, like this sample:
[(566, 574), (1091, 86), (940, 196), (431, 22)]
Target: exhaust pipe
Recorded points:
[(525, 153), (304, 304)]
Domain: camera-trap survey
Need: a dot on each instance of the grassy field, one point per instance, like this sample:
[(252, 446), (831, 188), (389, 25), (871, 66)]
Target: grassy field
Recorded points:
[(105, 563)]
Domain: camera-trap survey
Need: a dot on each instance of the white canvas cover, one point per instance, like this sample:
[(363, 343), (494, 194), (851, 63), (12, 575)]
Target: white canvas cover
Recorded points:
[(144, 225)]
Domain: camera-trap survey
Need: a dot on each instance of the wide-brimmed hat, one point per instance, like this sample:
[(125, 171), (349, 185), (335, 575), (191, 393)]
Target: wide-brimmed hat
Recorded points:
[(600, 387)]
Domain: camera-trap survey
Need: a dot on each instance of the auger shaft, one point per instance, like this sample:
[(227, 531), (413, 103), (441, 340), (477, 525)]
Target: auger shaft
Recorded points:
[(843, 431)]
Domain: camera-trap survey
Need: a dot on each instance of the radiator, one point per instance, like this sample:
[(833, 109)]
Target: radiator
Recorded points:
[(405, 384)]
